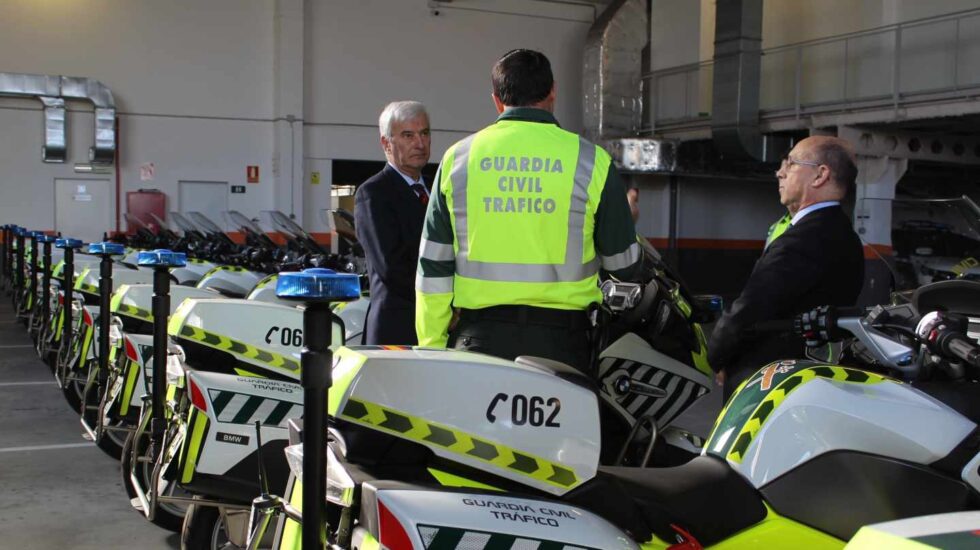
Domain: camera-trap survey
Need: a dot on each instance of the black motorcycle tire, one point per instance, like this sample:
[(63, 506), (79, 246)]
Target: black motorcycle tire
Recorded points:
[(162, 517), (73, 394), (203, 529)]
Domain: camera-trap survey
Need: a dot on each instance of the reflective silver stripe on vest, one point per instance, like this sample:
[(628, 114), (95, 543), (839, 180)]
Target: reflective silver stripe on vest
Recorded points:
[(437, 252), (572, 270), (623, 259), (433, 285), (459, 176)]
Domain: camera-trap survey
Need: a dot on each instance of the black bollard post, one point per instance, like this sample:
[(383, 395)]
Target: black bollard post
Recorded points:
[(4, 247), (161, 261), (32, 285), (19, 265), (105, 250), (11, 237), (68, 281), (46, 241), (317, 288)]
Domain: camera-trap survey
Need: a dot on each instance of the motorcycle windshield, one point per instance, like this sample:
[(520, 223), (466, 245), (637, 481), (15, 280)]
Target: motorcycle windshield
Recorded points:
[(934, 240), (136, 224), (242, 222), (205, 224), (183, 223)]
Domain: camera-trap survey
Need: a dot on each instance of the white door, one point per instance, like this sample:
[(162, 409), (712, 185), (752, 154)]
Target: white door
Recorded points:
[(207, 197), (83, 208)]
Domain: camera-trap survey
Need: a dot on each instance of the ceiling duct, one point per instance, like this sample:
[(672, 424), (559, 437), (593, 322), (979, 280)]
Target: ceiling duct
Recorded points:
[(737, 78), (52, 91), (613, 65)]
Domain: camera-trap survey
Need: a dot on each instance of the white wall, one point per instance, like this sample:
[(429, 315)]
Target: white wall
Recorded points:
[(362, 54), (708, 208), (198, 86), (192, 82), (931, 55)]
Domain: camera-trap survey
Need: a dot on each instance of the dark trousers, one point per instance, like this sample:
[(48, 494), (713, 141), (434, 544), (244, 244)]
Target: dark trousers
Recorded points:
[(510, 331)]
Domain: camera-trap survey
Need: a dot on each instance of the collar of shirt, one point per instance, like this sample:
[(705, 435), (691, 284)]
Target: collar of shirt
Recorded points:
[(813, 207), (528, 114), (408, 179)]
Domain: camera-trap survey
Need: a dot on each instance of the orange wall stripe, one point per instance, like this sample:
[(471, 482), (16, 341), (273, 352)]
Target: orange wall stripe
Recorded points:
[(711, 244)]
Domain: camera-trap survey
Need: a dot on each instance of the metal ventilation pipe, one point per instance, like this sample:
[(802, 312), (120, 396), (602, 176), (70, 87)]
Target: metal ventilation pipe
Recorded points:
[(52, 91), (613, 66), (737, 78)]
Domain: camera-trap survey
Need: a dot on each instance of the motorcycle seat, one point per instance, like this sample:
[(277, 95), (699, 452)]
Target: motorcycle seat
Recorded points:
[(705, 497)]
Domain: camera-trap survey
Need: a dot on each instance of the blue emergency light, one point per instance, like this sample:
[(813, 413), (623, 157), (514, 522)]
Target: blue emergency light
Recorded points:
[(161, 258), (68, 243), (318, 285), (106, 249)]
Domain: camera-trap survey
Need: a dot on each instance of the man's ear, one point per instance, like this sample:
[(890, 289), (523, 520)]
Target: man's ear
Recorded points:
[(823, 176), (499, 105), (385, 144)]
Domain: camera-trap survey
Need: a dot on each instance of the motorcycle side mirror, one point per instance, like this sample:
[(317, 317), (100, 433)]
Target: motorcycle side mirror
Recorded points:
[(708, 308), (625, 385)]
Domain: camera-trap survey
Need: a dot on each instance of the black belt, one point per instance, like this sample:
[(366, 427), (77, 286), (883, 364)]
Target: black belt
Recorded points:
[(525, 315)]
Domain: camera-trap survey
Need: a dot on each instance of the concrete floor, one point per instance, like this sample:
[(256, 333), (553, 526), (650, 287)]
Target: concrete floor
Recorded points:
[(57, 490)]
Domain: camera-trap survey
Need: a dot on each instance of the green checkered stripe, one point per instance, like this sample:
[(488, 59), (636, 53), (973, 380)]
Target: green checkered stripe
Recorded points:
[(136, 312), (451, 538), (247, 351), (459, 442), (240, 408)]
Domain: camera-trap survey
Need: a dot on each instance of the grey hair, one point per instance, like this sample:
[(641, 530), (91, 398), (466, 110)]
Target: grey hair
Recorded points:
[(399, 111)]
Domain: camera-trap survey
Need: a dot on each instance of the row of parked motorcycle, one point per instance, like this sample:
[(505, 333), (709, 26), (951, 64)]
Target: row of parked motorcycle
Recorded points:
[(198, 362)]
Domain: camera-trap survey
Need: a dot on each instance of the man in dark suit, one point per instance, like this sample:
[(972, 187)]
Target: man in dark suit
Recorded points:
[(817, 261), (389, 211)]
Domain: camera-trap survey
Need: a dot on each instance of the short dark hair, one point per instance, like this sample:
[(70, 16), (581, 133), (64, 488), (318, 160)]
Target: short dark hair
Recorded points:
[(521, 78), (836, 153)]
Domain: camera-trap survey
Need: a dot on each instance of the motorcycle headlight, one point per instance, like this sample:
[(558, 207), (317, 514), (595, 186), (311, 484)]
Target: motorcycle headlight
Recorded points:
[(175, 366), (115, 332), (340, 485)]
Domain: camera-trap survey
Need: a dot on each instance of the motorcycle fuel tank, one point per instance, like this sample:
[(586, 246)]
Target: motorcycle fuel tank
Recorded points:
[(521, 420), (136, 300), (793, 411), (266, 336), (232, 280)]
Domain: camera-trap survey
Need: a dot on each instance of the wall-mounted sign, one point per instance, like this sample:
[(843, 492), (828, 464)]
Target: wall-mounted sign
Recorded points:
[(252, 172), (237, 188), (147, 171), (315, 178)]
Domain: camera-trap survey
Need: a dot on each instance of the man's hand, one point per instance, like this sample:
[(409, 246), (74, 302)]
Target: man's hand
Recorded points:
[(720, 378)]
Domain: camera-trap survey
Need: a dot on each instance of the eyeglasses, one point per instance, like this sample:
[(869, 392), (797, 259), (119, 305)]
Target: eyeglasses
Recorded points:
[(789, 161)]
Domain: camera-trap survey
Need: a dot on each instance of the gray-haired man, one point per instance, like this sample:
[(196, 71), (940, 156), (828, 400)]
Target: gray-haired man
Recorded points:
[(389, 211)]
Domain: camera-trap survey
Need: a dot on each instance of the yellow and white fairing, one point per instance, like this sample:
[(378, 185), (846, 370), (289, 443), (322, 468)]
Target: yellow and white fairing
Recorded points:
[(514, 420), (793, 411)]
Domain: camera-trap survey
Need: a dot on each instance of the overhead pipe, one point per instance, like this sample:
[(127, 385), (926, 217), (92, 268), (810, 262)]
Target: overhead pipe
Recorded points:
[(52, 91), (612, 72), (737, 82)]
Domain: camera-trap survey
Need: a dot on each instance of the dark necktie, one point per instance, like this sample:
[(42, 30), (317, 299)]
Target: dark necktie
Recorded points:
[(420, 191)]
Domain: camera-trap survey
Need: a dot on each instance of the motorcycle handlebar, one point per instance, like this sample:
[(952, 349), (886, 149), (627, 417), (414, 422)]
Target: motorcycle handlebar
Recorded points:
[(957, 346), (943, 333)]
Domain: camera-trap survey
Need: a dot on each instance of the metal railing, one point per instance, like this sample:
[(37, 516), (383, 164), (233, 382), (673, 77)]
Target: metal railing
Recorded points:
[(889, 65)]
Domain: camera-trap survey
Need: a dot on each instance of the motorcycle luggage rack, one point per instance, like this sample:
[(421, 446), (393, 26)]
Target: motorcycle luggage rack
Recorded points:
[(651, 423)]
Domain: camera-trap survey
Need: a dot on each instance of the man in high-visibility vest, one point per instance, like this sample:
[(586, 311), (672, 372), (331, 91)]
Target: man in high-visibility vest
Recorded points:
[(523, 214), (778, 227)]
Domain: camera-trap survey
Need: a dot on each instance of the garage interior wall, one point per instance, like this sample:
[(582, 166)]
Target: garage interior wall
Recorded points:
[(191, 81), (204, 89)]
